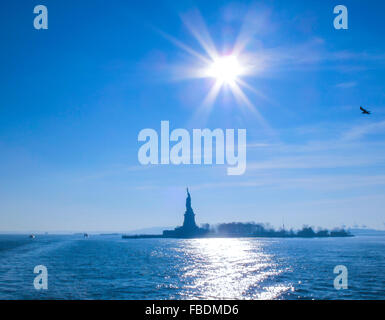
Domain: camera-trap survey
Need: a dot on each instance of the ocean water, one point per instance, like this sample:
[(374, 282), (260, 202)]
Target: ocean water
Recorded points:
[(108, 267)]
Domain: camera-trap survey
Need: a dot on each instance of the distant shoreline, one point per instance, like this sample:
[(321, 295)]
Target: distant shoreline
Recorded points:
[(240, 230), (157, 236)]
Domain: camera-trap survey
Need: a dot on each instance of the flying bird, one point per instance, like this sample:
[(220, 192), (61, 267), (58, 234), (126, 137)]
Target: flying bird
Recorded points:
[(364, 111)]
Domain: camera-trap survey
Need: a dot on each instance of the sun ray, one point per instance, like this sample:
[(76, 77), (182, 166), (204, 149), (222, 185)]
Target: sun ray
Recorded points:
[(254, 22), (255, 91), (196, 25), (184, 47), (205, 108), (239, 94)]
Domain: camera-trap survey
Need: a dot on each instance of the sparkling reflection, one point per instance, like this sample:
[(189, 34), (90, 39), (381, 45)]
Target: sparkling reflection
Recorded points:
[(230, 269)]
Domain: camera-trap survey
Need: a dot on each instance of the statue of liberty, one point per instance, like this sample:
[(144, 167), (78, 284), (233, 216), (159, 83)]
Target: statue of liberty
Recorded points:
[(189, 216), (189, 229), (188, 201)]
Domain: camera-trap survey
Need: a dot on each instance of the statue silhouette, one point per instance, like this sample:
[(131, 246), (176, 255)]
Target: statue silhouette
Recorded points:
[(189, 229), (189, 217)]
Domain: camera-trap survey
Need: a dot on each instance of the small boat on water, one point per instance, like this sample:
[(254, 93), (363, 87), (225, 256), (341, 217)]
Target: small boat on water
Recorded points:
[(85, 235), (32, 236)]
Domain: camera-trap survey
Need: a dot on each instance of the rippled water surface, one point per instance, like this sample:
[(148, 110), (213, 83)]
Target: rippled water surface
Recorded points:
[(108, 267)]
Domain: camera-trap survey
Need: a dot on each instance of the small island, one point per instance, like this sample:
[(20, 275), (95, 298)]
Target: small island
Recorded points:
[(189, 230)]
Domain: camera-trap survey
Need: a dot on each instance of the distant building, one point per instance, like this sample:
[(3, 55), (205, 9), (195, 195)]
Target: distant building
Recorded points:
[(189, 229)]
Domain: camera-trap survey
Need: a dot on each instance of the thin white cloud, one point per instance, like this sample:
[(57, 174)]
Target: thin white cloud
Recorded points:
[(315, 162), (359, 131), (346, 85)]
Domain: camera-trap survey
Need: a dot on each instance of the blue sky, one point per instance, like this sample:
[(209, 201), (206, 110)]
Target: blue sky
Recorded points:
[(74, 98)]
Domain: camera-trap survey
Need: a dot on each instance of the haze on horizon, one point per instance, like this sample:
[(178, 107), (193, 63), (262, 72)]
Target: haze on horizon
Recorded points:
[(75, 96)]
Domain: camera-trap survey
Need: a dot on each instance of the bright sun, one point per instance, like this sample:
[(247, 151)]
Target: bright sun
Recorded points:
[(225, 69)]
